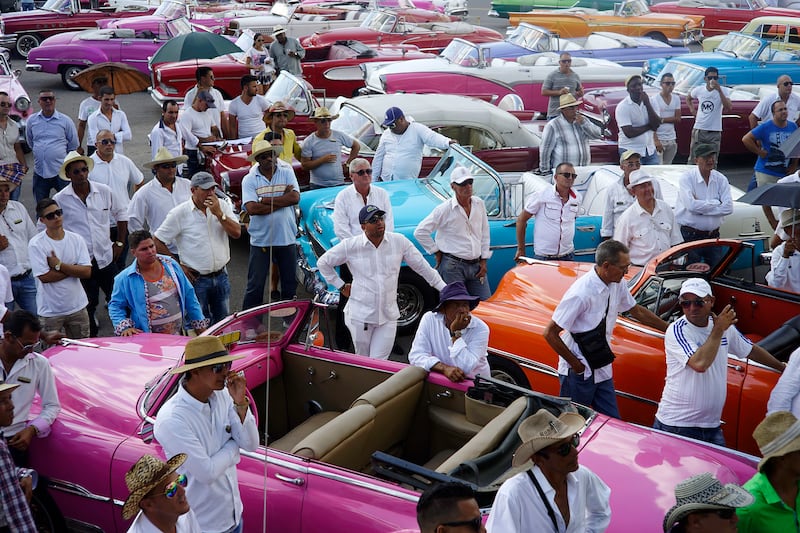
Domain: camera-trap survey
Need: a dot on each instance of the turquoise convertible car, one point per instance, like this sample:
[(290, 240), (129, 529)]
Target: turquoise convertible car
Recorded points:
[(501, 8)]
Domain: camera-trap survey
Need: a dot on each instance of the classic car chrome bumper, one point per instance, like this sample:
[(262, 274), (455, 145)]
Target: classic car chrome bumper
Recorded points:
[(8, 41), (687, 38), (33, 67)]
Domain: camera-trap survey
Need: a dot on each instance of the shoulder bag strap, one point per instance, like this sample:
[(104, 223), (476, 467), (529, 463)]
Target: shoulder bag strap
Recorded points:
[(549, 507)]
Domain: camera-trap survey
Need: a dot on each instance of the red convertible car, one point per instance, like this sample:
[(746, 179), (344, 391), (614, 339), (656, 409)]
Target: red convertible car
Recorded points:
[(525, 299), (25, 30), (384, 27), (347, 442), (722, 17)]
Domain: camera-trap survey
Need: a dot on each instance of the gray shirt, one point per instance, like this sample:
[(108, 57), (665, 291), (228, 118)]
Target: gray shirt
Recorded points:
[(327, 174), (280, 54), (557, 80)]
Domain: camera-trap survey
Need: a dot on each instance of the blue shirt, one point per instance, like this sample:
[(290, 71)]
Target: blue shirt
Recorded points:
[(278, 228), (771, 137), (50, 138)]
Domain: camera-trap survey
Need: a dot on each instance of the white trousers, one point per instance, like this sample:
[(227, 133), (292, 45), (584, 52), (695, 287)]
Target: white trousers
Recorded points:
[(374, 340)]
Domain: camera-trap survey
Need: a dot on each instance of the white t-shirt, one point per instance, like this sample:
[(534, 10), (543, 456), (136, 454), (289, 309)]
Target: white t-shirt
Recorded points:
[(63, 297), (629, 113), (250, 117), (709, 108), (195, 124), (666, 132)]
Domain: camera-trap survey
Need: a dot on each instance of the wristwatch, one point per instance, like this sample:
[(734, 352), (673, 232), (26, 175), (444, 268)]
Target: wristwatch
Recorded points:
[(58, 267), (119, 243), (456, 334), (224, 218)]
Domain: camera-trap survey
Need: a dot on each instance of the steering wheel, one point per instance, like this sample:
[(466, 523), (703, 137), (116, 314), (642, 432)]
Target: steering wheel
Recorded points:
[(668, 305)]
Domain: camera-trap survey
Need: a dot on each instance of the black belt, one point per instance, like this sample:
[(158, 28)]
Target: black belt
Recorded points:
[(714, 233), (213, 274), (22, 276), (467, 261), (552, 257)]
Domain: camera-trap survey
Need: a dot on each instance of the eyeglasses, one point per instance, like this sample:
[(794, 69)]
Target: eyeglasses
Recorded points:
[(686, 304), (172, 488), (375, 219), (787, 83), (712, 78), (568, 175), (106, 142), (53, 214), (168, 165), (367, 171), (281, 115), (392, 125), (219, 368), (667, 83), (322, 119), (474, 524), (266, 155), (565, 61), (47, 98), (26, 348), (5, 104), (565, 448), (76, 171)]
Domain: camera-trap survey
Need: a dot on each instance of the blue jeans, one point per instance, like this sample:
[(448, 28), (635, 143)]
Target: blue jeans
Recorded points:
[(285, 258), (599, 396), (451, 269), (24, 292), (42, 186), (712, 435), (213, 293)]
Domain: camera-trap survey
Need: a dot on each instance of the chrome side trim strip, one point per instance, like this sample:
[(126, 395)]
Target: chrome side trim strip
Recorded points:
[(363, 484)]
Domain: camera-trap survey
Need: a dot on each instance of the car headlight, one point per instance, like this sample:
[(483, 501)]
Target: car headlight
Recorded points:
[(22, 104)]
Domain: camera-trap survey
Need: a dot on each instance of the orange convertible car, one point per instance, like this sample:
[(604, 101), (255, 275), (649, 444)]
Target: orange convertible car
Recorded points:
[(525, 299), (631, 17)]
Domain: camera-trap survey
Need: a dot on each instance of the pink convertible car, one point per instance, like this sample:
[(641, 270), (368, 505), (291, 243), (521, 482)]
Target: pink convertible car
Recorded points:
[(348, 442)]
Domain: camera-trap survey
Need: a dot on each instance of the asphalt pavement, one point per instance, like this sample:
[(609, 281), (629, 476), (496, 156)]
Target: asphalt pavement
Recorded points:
[(143, 113)]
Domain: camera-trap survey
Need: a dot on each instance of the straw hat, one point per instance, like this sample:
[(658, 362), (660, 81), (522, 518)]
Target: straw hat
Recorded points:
[(790, 217), (323, 112), (72, 157), (277, 30), (163, 156), (204, 351), (543, 429), (705, 493), (259, 147), (777, 435), (567, 100), (8, 386), (143, 476), (280, 107)]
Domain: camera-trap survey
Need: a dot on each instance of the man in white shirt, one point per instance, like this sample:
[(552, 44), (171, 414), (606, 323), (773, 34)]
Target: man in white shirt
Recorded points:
[(198, 126), (205, 82), (10, 145), (16, 230), (784, 270), (60, 260), (461, 225), (399, 152), (555, 209), (89, 105), (32, 372), (246, 111), (637, 120), (166, 133), (587, 313), (200, 228), (450, 340), (108, 117), (712, 99), (619, 197), (697, 346), (648, 226), (151, 203), (374, 258), (763, 111), (668, 107), (89, 208), (120, 174), (158, 494), (555, 493), (209, 419)]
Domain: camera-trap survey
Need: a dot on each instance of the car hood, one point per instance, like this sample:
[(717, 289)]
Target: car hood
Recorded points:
[(101, 380)]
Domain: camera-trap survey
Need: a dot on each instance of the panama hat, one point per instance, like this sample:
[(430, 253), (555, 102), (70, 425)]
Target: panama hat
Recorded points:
[(204, 351), (280, 107), (777, 435), (259, 147), (543, 429), (72, 157), (8, 386), (323, 112), (163, 156), (143, 476), (705, 493), (567, 100)]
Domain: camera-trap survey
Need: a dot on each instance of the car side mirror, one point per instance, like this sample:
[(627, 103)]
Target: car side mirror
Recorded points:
[(17, 73)]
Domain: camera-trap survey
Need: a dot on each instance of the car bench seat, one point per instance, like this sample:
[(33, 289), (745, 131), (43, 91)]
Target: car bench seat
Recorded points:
[(342, 441), (306, 428)]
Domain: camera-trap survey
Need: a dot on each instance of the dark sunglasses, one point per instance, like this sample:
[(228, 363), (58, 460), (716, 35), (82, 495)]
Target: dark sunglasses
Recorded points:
[(686, 304), (172, 489), (367, 171), (219, 368), (565, 61), (474, 524), (564, 449), (106, 142), (569, 175), (667, 83), (26, 348), (392, 125), (375, 219), (168, 165), (76, 171), (47, 98), (725, 514), (322, 119), (282, 115), (712, 78), (53, 214), (5, 104), (787, 83)]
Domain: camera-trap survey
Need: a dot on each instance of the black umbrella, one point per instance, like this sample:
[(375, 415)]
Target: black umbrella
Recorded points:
[(777, 194), (791, 146)]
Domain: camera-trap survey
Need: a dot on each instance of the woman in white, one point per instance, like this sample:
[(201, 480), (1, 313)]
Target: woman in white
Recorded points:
[(260, 62)]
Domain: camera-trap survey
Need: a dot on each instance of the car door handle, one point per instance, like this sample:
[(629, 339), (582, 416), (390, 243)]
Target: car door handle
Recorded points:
[(293, 480), (586, 229), (738, 368)]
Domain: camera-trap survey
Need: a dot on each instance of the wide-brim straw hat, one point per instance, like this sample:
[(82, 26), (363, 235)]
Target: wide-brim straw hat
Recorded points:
[(72, 157), (163, 156), (567, 100), (543, 429), (204, 351), (280, 107), (705, 493), (143, 477), (323, 112), (259, 147), (777, 435), (790, 217)]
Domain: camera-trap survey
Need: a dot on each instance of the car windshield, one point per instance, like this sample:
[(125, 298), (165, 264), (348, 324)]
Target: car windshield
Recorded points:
[(59, 6), (379, 21), (459, 51), (534, 39), (486, 184), (286, 89), (740, 45), (359, 126), (171, 10), (5, 68), (758, 4), (179, 26), (633, 8), (686, 76), (699, 260)]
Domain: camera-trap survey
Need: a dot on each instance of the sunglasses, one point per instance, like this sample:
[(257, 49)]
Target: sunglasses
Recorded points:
[(219, 368), (26, 348), (686, 304), (5, 104), (712, 78), (564, 449), (367, 171), (106, 142), (282, 115), (172, 488), (322, 119), (76, 171), (667, 83), (474, 524), (725, 514), (375, 219), (53, 214), (168, 165), (47, 98), (787, 83), (568, 175), (565, 61), (392, 125)]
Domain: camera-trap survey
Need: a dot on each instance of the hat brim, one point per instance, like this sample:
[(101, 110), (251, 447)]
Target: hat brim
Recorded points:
[(571, 104), (331, 117), (11, 184), (252, 157), (640, 182), (574, 423), (191, 366), (473, 301), (62, 172), (131, 505), (379, 212), (287, 111), (793, 446), (177, 160), (735, 498)]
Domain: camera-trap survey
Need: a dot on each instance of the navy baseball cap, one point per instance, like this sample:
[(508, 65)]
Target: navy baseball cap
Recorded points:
[(392, 114), (369, 211)]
